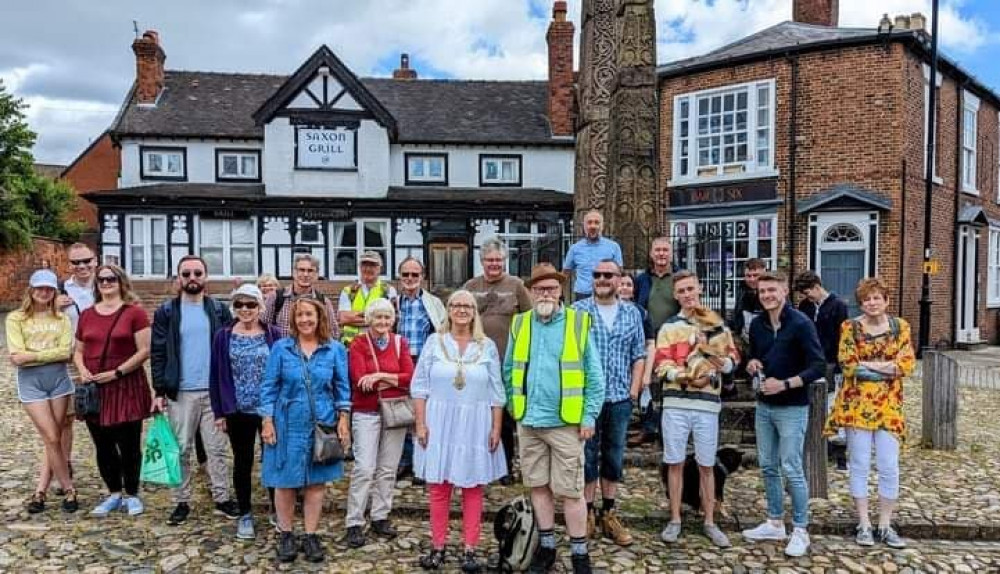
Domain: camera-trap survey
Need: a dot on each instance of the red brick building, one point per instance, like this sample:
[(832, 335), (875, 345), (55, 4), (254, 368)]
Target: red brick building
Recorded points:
[(804, 145), (96, 168)]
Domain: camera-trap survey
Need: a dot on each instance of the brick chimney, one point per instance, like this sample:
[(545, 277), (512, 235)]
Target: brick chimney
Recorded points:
[(819, 12), (560, 40), (404, 71), (149, 58)]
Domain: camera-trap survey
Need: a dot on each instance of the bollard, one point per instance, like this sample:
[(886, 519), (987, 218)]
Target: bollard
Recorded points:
[(814, 454), (940, 401)]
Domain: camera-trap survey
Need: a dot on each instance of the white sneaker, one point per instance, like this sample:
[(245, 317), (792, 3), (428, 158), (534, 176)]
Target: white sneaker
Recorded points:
[(765, 531), (798, 544)]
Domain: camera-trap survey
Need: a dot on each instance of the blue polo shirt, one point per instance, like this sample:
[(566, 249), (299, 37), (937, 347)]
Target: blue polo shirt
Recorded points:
[(584, 255)]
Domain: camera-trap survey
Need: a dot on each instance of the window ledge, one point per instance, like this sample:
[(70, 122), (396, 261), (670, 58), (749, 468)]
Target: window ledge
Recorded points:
[(678, 182), (938, 180), (993, 305), (970, 191)]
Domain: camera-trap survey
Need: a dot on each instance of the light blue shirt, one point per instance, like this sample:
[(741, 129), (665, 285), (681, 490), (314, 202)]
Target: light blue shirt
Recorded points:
[(543, 380), (196, 347), (584, 255)]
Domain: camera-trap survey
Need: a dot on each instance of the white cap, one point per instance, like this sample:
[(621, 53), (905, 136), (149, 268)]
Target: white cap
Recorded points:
[(43, 278), (248, 290)]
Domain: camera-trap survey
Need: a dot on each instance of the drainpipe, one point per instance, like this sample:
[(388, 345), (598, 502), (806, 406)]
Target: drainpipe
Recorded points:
[(793, 147), (902, 242)]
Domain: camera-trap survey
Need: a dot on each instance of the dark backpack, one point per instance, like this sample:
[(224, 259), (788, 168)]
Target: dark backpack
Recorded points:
[(279, 302), (517, 534)]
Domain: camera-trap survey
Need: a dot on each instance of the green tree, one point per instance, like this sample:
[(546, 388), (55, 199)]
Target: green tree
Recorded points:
[(29, 203)]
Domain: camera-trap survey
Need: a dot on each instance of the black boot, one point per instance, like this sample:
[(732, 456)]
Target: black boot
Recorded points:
[(581, 564), (312, 548), (384, 528), (288, 547), (542, 561), (355, 537)]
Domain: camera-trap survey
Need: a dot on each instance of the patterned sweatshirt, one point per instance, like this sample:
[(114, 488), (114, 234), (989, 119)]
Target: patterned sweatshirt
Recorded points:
[(48, 336)]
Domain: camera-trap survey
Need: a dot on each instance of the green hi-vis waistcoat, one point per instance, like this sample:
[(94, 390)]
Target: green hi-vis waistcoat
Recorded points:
[(358, 304), (571, 377)]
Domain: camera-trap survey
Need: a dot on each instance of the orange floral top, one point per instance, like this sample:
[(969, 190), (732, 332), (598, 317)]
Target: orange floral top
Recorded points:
[(872, 405)]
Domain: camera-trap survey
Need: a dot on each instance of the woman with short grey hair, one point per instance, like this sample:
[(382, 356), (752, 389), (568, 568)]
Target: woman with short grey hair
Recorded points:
[(380, 368)]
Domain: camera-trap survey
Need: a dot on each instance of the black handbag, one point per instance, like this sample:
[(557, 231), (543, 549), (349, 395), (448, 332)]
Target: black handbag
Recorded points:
[(327, 448), (86, 395)]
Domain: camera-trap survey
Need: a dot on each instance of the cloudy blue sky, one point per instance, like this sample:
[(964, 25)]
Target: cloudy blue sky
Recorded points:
[(71, 61)]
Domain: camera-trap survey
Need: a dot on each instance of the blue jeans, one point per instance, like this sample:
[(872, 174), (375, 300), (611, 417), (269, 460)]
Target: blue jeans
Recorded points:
[(605, 451), (406, 460), (781, 433)]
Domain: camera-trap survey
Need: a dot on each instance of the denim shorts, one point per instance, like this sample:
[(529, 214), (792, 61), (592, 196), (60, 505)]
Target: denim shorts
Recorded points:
[(605, 452), (43, 382)]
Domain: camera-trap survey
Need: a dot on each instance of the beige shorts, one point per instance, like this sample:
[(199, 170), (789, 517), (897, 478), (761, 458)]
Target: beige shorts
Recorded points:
[(552, 457)]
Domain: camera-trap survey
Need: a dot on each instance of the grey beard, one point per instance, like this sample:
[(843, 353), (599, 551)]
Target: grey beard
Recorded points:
[(545, 309)]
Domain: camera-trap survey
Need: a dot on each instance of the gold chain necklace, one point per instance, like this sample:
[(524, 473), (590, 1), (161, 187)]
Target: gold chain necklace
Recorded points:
[(459, 381)]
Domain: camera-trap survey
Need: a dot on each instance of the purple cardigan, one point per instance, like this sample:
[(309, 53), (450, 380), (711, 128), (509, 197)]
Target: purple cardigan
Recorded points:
[(220, 379)]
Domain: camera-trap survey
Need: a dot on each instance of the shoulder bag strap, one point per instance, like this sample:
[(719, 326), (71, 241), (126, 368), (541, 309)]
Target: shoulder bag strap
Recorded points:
[(308, 382), (107, 340)]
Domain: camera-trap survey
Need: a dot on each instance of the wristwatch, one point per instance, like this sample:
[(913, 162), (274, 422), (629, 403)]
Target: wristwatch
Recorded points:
[(119, 374), (788, 385)]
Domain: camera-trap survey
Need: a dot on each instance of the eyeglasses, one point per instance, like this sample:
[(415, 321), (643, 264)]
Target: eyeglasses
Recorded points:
[(461, 306), (305, 271), (109, 279), (604, 275), (244, 305), (196, 273), (544, 290), (78, 262), (410, 275)]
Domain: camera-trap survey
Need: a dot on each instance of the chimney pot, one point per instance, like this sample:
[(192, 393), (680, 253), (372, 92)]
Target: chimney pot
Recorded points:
[(149, 74), (885, 24), (404, 72), (903, 22), (817, 12), (918, 21), (559, 10)]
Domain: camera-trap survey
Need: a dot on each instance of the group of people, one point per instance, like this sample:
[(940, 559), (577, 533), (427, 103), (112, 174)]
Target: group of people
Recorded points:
[(505, 369)]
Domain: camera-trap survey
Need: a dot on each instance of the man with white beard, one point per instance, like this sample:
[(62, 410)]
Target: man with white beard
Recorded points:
[(555, 391)]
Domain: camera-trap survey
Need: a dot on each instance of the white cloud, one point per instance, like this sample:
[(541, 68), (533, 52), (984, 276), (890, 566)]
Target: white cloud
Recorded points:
[(73, 63)]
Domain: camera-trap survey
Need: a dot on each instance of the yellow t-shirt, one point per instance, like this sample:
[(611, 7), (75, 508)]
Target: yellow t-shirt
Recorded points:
[(48, 336)]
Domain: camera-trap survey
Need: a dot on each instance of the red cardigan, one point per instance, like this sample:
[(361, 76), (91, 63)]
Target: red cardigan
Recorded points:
[(361, 364)]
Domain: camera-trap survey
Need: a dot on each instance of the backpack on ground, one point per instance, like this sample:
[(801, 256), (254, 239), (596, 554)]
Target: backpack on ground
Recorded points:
[(517, 534)]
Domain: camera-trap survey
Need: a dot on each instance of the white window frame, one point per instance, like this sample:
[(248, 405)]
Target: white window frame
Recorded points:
[(227, 246), (750, 169), (531, 235), (513, 160), (970, 143), (936, 178), (220, 157), (993, 269), (147, 246), (146, 152), (360, 247), (426, 159)]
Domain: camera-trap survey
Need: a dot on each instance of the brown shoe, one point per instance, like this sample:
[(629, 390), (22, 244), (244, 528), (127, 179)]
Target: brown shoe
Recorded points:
[(591, 523), (614, 529)]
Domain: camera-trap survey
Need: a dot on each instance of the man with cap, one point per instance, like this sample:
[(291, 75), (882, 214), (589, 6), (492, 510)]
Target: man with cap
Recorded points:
[(355, 298), (276, 308), (555, 391)]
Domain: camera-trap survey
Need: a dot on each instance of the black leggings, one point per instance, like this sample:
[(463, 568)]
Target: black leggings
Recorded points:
[(243, 429), (119, 455)]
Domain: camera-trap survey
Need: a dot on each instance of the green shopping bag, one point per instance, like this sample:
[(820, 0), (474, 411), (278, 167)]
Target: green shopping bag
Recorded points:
[(161, 460)]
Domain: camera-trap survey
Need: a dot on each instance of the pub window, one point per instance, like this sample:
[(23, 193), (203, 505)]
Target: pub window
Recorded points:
[(351, 238), (426, 169), (499, 170), (724, 133), (147, 246), (239, 165), (532, 242), (228, 247), (163, 163)]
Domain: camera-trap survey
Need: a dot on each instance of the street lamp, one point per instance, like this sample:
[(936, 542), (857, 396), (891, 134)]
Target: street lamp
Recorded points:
[(925, 284)]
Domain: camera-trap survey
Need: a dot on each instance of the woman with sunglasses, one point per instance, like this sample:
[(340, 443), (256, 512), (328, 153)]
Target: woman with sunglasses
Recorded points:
[(112, 343), (239, 355), (38, 339), (459, 399)]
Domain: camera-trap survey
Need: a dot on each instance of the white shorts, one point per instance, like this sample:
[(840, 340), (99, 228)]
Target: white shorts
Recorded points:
[(678, 424)]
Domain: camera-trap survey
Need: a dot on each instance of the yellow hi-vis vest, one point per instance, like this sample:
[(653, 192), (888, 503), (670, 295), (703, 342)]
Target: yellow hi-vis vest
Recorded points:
[(358, 304), (571, 375)]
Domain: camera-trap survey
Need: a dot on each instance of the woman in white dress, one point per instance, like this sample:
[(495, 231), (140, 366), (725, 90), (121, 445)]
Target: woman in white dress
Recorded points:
[(459, 399)]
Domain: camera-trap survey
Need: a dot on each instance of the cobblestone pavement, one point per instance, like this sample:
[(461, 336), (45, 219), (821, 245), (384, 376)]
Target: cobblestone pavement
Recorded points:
[(944, 495)]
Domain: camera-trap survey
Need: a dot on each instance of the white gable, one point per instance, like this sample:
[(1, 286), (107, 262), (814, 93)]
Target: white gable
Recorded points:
[(303, 101), (327, 91), (346, 102)]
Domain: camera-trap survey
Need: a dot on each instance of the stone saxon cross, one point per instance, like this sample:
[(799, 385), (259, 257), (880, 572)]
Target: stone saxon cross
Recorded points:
[(617, 124)]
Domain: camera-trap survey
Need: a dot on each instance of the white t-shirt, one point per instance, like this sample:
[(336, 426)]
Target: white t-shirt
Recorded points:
[(608, 313), (83, 299)]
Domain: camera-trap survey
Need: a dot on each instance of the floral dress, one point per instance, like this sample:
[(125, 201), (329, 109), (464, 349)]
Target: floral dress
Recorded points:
[(872, 404)]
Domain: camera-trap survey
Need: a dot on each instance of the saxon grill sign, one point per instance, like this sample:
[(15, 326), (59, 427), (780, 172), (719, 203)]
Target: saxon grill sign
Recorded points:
[(325, 148)]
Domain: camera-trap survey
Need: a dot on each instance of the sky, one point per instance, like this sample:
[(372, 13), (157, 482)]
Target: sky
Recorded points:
[(71, 60)]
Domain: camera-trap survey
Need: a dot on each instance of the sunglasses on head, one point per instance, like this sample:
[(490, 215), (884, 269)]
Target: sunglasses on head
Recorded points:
[(196, 273), (107, 279), (76, 262), (244, 305), (409, 275)]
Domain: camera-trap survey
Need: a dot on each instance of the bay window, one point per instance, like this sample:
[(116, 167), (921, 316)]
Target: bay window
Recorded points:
[(228, 247), (352, 238), (147, 246)]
